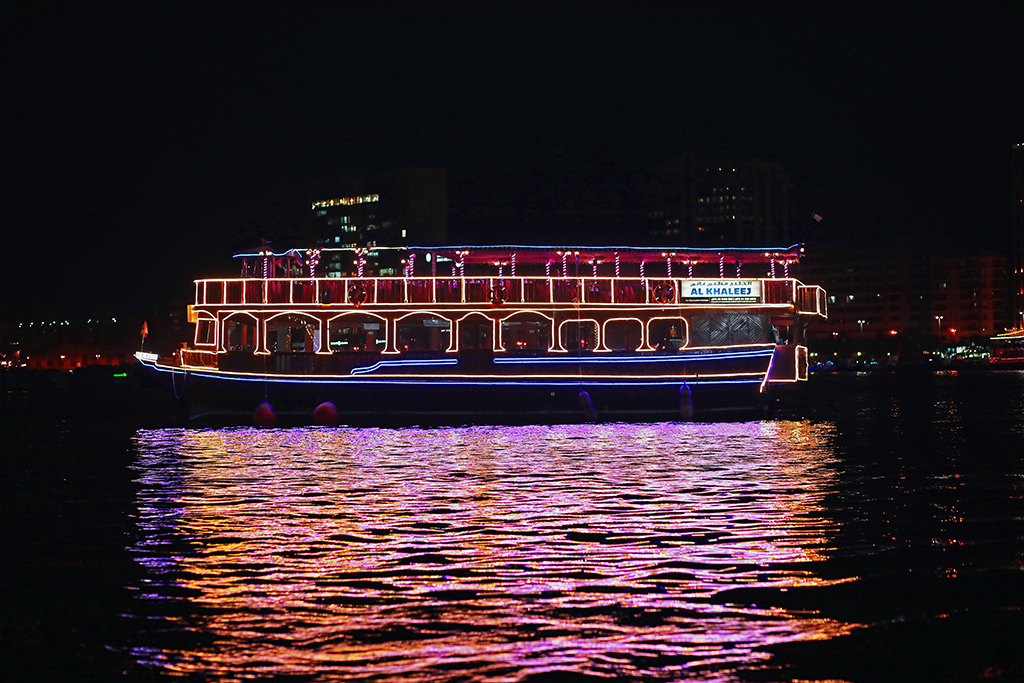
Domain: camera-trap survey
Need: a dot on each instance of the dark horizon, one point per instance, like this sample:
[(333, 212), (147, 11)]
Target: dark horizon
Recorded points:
[(143, 148)]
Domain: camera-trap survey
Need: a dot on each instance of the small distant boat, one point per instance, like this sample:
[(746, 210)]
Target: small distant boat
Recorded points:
[(481, 333), (1008, 348)]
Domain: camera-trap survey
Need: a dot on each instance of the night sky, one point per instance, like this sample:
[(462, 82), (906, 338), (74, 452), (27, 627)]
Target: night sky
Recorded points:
[(140, 150)]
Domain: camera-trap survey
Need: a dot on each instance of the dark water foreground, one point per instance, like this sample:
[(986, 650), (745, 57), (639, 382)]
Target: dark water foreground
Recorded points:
[(874, 533)]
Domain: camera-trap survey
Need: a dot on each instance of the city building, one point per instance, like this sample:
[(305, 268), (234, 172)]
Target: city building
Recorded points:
[(896, 292), (407, 206), (969, 296), (872, 291), (709, 201)]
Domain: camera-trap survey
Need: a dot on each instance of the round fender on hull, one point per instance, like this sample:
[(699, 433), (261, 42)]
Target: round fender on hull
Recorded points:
[(326, 414), (588, 406), (685, 403), (265, 416)]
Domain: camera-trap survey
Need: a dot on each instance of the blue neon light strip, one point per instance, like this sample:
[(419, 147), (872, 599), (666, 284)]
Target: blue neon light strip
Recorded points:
[(642, 359), (283, 253), (437, 381), (573, 381), (403, 364)]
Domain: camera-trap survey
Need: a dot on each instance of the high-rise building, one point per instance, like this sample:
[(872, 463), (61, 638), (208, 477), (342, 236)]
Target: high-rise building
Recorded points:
[(709, 201), (893, 291), (1018, 235), (407, 206)]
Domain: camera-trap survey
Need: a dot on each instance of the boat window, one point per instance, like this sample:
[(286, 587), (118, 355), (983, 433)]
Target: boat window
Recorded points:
[(579, 335), (204, 331), (423, 332), (667, 334), (293, 333), (526, 332), (357, 332), (623, 335), (240, 333), (475, 333)]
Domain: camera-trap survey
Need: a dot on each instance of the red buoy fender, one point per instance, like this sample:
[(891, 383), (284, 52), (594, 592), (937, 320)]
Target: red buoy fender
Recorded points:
[(326, 414), (265, 416)]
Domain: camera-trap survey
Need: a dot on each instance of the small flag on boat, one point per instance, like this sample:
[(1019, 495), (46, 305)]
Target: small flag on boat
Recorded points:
[(817, 218), (145, 329)]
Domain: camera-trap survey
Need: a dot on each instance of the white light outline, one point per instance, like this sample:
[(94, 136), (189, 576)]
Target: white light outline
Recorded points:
[(648, 283), (319, 321), (451, 326), (549, 318), (604, 333), (355, 312), (216, 329), (223, 347), (686, 330), (457, 334), (597, 332)]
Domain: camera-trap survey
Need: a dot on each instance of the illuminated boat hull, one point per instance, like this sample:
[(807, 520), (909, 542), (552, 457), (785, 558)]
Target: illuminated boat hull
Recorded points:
[(473, 387)]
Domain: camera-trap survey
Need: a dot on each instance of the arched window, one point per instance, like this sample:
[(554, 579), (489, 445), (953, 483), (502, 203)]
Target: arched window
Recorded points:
[(423, 332), (238, 333), (667, 333), (357, 331), (623, 334), (292, 333), (476, 332), (575, 335), (526, 331)]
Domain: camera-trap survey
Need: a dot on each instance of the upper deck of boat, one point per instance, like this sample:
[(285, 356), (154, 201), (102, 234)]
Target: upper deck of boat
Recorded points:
[(512, 276)]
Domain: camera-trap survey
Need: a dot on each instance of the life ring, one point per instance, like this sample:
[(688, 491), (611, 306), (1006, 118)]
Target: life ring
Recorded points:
[(664, 293), (499, 294), (357, 295)]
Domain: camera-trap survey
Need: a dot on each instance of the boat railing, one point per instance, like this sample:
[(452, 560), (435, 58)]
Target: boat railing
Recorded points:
[(483, 290), (811, 300)]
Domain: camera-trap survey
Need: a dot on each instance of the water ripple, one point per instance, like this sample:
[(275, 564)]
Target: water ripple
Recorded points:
[(484, 554)]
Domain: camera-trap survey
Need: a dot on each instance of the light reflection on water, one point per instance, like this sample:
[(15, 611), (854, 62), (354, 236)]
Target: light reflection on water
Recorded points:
[(480, 553)]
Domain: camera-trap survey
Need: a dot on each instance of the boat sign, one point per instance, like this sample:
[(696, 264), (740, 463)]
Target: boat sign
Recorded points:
[(720, 291)]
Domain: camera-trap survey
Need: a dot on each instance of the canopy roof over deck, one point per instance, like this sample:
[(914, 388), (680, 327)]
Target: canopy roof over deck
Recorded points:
[(525, 254)]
